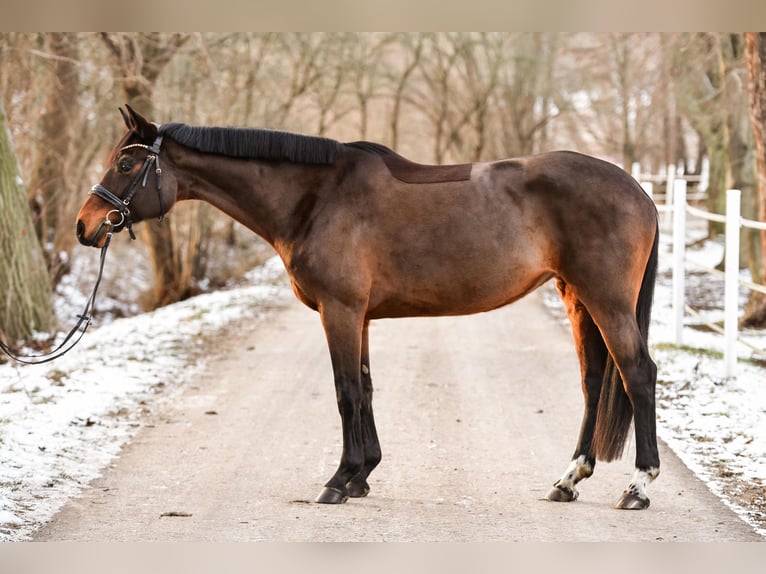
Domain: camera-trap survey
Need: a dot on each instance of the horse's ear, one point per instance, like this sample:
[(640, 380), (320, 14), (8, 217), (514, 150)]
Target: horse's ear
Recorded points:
[(126, 119), (138, 124)]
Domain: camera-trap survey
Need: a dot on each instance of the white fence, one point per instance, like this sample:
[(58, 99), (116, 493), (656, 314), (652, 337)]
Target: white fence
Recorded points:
[(678, 209)]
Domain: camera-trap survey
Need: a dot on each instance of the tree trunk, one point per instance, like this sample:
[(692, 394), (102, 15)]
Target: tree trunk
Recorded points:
[(50, 193), (26, 302), (622, 64), (718, 145), (755, 59), (671, 122)]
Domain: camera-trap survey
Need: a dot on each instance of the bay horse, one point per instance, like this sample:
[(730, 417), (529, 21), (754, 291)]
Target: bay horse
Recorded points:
[(366, 234)]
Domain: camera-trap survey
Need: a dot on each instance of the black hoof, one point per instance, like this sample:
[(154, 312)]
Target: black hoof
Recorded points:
[(331, 495), (562, 494), (630, 501), (358, 490)]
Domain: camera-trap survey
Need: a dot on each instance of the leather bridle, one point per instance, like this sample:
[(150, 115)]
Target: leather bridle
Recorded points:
[(121, 208), (121, 204)]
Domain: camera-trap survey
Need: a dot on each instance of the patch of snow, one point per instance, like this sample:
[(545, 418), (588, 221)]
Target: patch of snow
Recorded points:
[(715, 424), (62, 422)]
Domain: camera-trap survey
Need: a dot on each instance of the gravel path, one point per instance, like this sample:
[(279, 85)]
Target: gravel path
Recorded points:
[(477, 417)]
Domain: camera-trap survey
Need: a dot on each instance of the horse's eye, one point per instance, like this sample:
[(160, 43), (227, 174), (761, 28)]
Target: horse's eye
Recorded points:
[(125, 165)]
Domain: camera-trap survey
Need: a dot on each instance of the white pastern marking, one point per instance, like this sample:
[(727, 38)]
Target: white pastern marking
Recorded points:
[(641, 480), (577, 470)]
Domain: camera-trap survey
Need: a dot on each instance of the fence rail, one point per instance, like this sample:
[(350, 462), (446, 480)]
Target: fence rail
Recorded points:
[(677, 210)]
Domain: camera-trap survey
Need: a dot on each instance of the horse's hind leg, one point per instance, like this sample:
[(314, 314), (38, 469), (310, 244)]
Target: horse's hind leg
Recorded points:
[(592, 354), (640, 376), (637, 379), (357, 486)]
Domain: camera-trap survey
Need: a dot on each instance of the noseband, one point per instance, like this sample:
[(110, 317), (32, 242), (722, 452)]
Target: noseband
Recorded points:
[(121, 205)]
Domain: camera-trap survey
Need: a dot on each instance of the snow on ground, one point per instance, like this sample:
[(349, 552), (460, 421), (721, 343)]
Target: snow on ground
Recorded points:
[(717, 426), (61, 423)]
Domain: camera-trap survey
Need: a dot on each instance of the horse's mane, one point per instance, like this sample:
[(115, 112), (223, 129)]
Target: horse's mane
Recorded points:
[(254, 143)]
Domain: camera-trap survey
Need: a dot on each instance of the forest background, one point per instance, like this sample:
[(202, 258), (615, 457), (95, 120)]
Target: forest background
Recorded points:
[(655, 98)]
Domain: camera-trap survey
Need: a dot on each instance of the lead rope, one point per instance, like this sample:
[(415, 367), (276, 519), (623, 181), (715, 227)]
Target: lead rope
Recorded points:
[(84, 319)]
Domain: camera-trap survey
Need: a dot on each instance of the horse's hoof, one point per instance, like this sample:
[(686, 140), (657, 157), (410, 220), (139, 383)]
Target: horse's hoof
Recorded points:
[(358, 490), (630, 501), (331, 495), (562, 494)]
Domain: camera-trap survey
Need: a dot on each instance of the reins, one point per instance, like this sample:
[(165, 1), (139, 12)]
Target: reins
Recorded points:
[(83, 322)]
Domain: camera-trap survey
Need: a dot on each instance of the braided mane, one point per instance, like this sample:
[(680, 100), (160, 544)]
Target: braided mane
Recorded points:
[(254, 143)]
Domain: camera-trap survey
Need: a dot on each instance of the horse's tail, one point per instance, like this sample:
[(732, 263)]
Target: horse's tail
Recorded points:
[(615, 410)]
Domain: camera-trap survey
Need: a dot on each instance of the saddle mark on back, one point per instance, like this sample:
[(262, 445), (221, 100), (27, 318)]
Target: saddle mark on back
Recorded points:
[(410, 172)]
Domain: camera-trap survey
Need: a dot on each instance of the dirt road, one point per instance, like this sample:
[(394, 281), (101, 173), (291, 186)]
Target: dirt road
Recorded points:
[(477, 417)]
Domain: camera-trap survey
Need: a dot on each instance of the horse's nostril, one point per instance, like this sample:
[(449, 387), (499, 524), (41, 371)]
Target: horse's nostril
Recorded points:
[(80, 229)]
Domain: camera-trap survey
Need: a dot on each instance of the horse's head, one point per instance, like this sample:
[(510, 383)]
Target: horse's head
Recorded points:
[(134, 187)]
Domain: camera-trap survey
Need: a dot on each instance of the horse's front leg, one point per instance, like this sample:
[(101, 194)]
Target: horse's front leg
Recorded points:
[(343, 328)]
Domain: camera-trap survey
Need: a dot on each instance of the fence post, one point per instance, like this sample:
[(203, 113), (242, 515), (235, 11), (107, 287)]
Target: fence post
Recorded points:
[(635, 170), (670, 177), (731, 281), (679, 248)]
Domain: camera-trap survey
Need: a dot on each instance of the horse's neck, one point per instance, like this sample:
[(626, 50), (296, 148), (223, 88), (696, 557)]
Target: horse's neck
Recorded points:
[(258, 195)]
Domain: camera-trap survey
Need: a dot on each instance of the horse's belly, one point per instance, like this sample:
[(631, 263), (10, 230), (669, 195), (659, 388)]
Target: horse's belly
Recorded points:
[(456, 295)]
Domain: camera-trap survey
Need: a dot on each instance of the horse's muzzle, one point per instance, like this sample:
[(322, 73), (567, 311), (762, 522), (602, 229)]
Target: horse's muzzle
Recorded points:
[(88, 241)]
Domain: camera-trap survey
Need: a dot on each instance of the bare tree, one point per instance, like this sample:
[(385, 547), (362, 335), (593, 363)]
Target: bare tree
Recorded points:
[(300, 69), (432, 95), (140, 59), (412, 48), (51, 189), (528, 97), (26, 303), (457, 83), (366, 63), (673, 148), (702, 65), (755, 59), (613, 94), (481, 58), (326, 94)]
